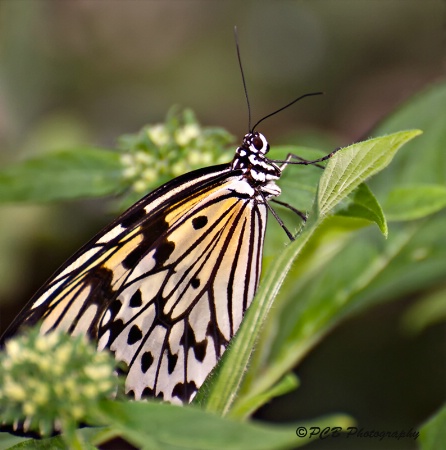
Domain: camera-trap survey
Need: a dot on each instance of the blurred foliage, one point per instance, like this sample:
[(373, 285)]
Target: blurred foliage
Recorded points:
[(73, 73), (343, 174), (53, 382), (144, 160), (433, 432), (148, 425)]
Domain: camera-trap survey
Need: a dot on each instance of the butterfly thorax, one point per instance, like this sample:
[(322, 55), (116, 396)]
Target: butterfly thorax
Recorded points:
[(258, 170)]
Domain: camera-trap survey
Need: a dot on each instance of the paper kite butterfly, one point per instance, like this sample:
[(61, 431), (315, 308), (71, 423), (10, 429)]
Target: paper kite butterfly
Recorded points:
[(165, 286)]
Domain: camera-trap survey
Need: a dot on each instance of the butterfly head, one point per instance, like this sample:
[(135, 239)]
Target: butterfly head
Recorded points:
[(252, 151), (250, 158), (255, 142)]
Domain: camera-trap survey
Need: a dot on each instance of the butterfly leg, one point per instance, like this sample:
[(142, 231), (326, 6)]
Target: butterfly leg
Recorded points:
[(302, 215), (305, 162), (275, 215), (301, 160), (314, 162), (280, 222)]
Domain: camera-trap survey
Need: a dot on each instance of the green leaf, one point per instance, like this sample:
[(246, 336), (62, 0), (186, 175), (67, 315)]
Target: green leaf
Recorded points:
[(357, 163), (8, 440), (56, 443), (344, 172), (82, 172), (427, 311), (287, 384), (433, 432), (423, 161), (88, 438), (152, 425), (365, 206), (414, 202)]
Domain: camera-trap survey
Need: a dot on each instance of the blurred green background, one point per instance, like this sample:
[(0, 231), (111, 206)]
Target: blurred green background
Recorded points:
[(86, 72)]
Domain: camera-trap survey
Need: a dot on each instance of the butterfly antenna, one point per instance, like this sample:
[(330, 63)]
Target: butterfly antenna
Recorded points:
[(286, 106), (243, 77)]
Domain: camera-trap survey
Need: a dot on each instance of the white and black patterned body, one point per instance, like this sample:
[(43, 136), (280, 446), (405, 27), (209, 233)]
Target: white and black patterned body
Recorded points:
[(166, 285)]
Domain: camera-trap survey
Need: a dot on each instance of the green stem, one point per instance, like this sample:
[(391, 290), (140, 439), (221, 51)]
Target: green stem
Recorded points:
[(227, 381)]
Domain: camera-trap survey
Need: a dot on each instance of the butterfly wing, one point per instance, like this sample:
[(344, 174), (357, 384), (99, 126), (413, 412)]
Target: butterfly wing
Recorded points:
[(165, 286)]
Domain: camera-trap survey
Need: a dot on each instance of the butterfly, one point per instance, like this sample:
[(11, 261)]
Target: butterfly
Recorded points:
[(165, 286)]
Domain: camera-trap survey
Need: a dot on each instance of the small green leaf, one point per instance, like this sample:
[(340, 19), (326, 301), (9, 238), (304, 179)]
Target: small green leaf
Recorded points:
[(244, 409), (82, 172), (349, 167), (433, 432), (414, 202), (365, 206)]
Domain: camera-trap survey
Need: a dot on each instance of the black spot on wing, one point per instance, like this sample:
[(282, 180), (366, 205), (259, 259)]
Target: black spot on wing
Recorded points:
[(171, 361), (151, 230), (132, 259), (115, 329), (195, 283), (115, 307), (200, 350), (188, 341), (217, 336), (150, 393), (133, 217), (134, 335), (146, 361), (163, 251), (199, 222), (184, 391), (136, 299)]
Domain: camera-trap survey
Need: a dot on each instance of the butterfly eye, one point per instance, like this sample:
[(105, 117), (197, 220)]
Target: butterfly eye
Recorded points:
[(258, 143)]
